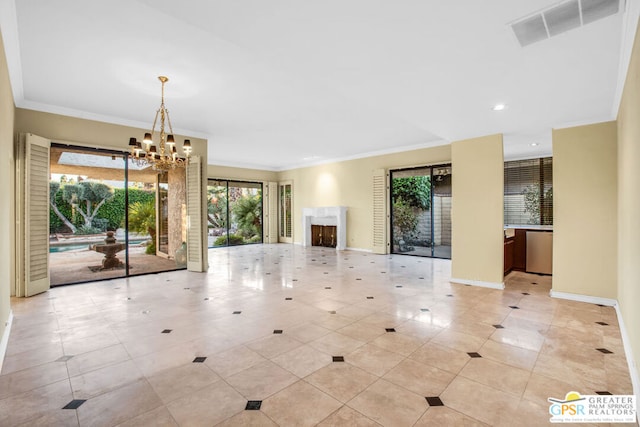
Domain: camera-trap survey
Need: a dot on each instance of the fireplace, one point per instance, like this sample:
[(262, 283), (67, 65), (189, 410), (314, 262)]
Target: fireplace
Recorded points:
[(334, 221)]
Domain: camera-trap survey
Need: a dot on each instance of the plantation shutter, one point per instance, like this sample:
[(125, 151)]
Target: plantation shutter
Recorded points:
[(195, 225), (270, 202), (285, 212), (32, 214), (528, 192), (379, 211)]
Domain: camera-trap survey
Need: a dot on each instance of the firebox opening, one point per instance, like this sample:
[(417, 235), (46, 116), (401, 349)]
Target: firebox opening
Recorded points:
[(323, 235)]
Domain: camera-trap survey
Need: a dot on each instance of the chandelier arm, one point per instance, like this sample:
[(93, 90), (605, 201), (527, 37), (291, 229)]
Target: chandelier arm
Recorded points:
[(155, 120), (169, 122)]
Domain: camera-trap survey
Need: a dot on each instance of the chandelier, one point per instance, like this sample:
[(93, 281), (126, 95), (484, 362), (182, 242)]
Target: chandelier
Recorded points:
[(162, 156)]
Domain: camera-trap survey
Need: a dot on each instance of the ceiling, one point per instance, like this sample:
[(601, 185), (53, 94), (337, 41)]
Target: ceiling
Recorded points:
[(286, 83)]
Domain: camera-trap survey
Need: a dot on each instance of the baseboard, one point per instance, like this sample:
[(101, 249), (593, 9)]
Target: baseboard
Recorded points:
[(359, 249), (633, 369), (492, 285), (583, 298), (5, 339)]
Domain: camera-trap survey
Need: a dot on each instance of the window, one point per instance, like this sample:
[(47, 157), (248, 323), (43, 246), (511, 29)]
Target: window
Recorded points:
[(528, 192)]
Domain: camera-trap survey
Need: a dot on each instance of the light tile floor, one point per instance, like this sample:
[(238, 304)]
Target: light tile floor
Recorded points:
[(192, 349)]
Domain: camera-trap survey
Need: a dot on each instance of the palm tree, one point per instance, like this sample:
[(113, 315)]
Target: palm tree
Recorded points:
[(142, 218)]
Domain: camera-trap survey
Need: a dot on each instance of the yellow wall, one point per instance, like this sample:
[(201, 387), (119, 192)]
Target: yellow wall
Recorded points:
[(349, 183), (7, 256), (629, 206), (477, 252), (241, 174), (585, 210)]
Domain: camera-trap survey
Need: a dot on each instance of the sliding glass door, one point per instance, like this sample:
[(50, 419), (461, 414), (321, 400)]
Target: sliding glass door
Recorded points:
[(421, 211), (107, 216), (234, 211)]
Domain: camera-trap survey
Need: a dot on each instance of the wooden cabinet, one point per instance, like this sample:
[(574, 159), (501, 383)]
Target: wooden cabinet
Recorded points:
[(520, 250), (509, 246)]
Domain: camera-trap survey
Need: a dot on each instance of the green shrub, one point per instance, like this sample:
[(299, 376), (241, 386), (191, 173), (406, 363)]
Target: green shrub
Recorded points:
[(415, 191), (151, 248), (234, 240)]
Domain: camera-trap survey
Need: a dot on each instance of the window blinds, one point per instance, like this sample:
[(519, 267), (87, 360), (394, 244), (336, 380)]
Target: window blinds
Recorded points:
[(528, 192)]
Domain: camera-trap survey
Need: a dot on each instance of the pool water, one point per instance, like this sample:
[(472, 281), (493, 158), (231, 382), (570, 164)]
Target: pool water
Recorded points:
[(85, 245)]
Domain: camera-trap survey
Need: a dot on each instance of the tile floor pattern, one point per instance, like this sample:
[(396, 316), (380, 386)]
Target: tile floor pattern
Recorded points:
[(366, 340)]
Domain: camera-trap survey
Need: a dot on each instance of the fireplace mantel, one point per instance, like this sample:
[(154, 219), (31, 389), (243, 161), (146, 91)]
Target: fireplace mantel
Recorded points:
[(326, 215)]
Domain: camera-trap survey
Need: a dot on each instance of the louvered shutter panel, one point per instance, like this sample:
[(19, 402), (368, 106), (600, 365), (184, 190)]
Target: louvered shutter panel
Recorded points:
[(270, 201), (379, 211), (33, 232), (195, 232)]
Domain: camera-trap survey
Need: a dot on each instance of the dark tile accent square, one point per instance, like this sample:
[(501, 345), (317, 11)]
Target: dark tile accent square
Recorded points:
[(327, 287), (64, 358), (383, 272), (398, 286), (338, 358), (604, 393), (515, 307), (237, 312), (603, 323), (74, 404), (357, 278), (199, 359), (288, 299), (167, 331), (207, 299), (424, 309), (332, 312), (267, 274), (474, 355), (186, 289), (326, 272), (369, 297), (498, 326), (434, 401), (604, 351), (128, 298), (294, 280), (390, 329), (526, 293), (534, 283), (253, 405), (421, 278), (449, 295), (277, 331)]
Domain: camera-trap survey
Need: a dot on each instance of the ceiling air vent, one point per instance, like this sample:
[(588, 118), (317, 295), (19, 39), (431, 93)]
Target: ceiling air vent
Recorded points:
[(561, 18)]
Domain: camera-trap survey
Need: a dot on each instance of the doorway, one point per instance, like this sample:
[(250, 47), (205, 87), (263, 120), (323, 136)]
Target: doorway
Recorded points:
[(110, 217), (421, 211), (234, 213)]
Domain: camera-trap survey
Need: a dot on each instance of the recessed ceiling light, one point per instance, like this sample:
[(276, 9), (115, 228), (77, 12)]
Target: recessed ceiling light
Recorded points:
[(499, 107), (534, 144)]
